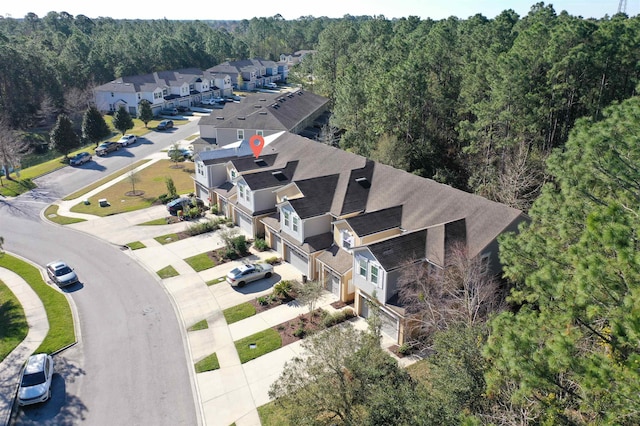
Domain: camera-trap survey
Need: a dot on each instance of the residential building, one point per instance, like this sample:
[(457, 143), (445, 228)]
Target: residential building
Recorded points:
[(261, 114), (347, 221)]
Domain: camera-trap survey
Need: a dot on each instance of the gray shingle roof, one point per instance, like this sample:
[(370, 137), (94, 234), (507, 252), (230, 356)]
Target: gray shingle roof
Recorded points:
[(318, 196), (392, 253), (271, 178), (378, 221)]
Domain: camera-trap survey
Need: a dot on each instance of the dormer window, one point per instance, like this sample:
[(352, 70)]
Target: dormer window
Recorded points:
[(347, 240), (287, 219), (295, 223)]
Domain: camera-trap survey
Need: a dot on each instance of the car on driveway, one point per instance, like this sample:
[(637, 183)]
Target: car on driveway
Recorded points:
[(185, 153), (80, 158), (106, 147), (244, 274), (164, 125), (127, 140), (183, 202), (61, 273), (35, 383), (271, 86)]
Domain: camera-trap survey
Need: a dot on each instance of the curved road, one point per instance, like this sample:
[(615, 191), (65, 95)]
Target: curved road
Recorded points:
[(130, 366)]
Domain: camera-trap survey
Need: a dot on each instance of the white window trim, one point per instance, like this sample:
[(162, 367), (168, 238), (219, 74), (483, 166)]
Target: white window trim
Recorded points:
[(286, 218), (377, 282), (240, 134), (362, 262), (295, 223)]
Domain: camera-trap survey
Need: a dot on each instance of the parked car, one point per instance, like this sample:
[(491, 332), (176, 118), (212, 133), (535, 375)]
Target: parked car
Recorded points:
[(239, 276), (127, 140), (61, 273), (106, 147), (183, 202), (183, 108), (80, 158), (164, 125), (208, 102), (185, 153), (169, 111), (271, 86), (35, 383)]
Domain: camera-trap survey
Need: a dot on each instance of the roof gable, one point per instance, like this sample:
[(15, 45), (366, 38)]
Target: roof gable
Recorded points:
[(318, 196), (378, 221), (271, 178), (394, 252)]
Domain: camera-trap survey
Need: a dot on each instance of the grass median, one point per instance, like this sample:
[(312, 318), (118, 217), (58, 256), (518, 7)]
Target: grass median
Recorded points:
[(263, 342), (61, 329), (13, 322)]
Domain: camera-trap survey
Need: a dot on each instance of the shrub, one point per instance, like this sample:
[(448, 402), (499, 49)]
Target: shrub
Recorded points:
[(214, 209), (404, 349), (260, 244), (203, 227), (240, 244), (163, 198), (300, 332), (273, 260), (283, 288), (263, 300), (329, 320)]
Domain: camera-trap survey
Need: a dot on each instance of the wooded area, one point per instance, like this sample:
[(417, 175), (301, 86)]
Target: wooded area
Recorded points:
[(538, 112)]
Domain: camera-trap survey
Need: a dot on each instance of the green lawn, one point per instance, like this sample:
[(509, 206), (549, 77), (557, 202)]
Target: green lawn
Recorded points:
[(239, 312), (271, 414), (200, 325), (167, 272), (161, 221), (51, 213), (135, 245), (209, 363), (200, 262), (104, 180), (13, 323), (263, 342), (167, 238), (216, 281), (61, 328), (149, 186)]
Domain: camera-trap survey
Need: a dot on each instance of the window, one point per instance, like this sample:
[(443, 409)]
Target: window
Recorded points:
[(362, 270), (241, 191), (260, 132), (347, 240), (200, 168), (233, 174), (373, 277), (286, 219), (240, 134), (484, 262), (112, 94), (295, 223)]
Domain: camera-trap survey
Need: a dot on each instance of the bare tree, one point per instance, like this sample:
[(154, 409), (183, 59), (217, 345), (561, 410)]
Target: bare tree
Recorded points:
[(463, 292), (12, 148)]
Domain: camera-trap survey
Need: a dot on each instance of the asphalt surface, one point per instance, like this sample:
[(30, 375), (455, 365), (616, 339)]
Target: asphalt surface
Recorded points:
[(130, 366)]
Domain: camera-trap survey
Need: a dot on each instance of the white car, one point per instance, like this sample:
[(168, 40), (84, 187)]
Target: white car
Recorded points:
[(208, 102), (127, 140), (271, 86), (241, 275), (61, 274), (35, 383)]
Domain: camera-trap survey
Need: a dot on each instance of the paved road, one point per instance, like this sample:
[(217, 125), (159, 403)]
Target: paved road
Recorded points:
[(131, 366)]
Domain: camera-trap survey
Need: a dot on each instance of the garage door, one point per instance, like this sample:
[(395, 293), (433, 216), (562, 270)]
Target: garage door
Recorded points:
[(333, 283), (297, 259), (203, 194), (244, 223), (389, 324), (276, 243)]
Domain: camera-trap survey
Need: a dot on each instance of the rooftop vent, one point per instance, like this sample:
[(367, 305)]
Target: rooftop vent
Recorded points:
[(241, 118), (364, 182), (260, 162), (257, 106), (290, 95), (279, 175), (219, 118), (263, 113)]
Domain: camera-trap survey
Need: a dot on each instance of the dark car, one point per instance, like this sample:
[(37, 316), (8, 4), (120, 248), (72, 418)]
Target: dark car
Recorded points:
[(80, 158), (182, 203), (182, 108), (106, 147), (165, 124)]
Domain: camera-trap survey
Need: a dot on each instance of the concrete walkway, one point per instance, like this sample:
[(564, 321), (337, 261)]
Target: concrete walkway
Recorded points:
[(11, 366)]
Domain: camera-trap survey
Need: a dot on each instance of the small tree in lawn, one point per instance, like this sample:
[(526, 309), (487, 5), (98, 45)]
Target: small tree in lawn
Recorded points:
[(133, 179), (146, 114), (309, 293), (122, 120), (1, 244), (171, 188), (175, 155), (63, 138), (94, 128)]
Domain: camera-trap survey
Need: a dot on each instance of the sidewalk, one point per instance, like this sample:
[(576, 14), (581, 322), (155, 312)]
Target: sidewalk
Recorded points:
[(11, 366)]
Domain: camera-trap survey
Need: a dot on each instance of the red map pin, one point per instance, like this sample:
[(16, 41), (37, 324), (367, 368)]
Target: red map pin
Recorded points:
[(256, 142)]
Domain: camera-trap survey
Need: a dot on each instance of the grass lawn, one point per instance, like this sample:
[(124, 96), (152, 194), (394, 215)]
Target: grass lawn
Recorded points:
[(61, 329), (263, 342), (239, 312), (161, 221), (200, 262), (12, 188), (51, 213), (167, 272), (200, 325), (271, 414), (216, 281), (104, 180), (135, 245), (150, 183), (209, 363), (167, 238), (13, 322)]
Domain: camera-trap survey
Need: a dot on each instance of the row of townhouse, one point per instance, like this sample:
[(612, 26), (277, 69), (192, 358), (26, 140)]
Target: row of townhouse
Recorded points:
[(187, 87), (348, 221)]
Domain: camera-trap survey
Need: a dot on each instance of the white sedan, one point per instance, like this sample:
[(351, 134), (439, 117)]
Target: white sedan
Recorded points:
[(241, 275), (127, 140)]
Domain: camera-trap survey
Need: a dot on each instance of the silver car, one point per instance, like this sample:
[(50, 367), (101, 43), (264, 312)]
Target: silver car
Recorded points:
[(35, 383), (241, 275), (61, 274)]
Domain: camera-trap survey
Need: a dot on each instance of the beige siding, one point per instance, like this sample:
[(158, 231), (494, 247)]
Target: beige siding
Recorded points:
[(380, 236)]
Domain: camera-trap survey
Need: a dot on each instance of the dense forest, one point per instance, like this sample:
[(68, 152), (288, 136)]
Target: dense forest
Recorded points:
[(539, 112)]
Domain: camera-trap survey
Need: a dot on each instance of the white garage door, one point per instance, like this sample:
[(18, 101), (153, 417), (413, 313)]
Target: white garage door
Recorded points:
[(203, 194), (389, 324), (244, 223), (333, 283), (276, 242), (297, 259)]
